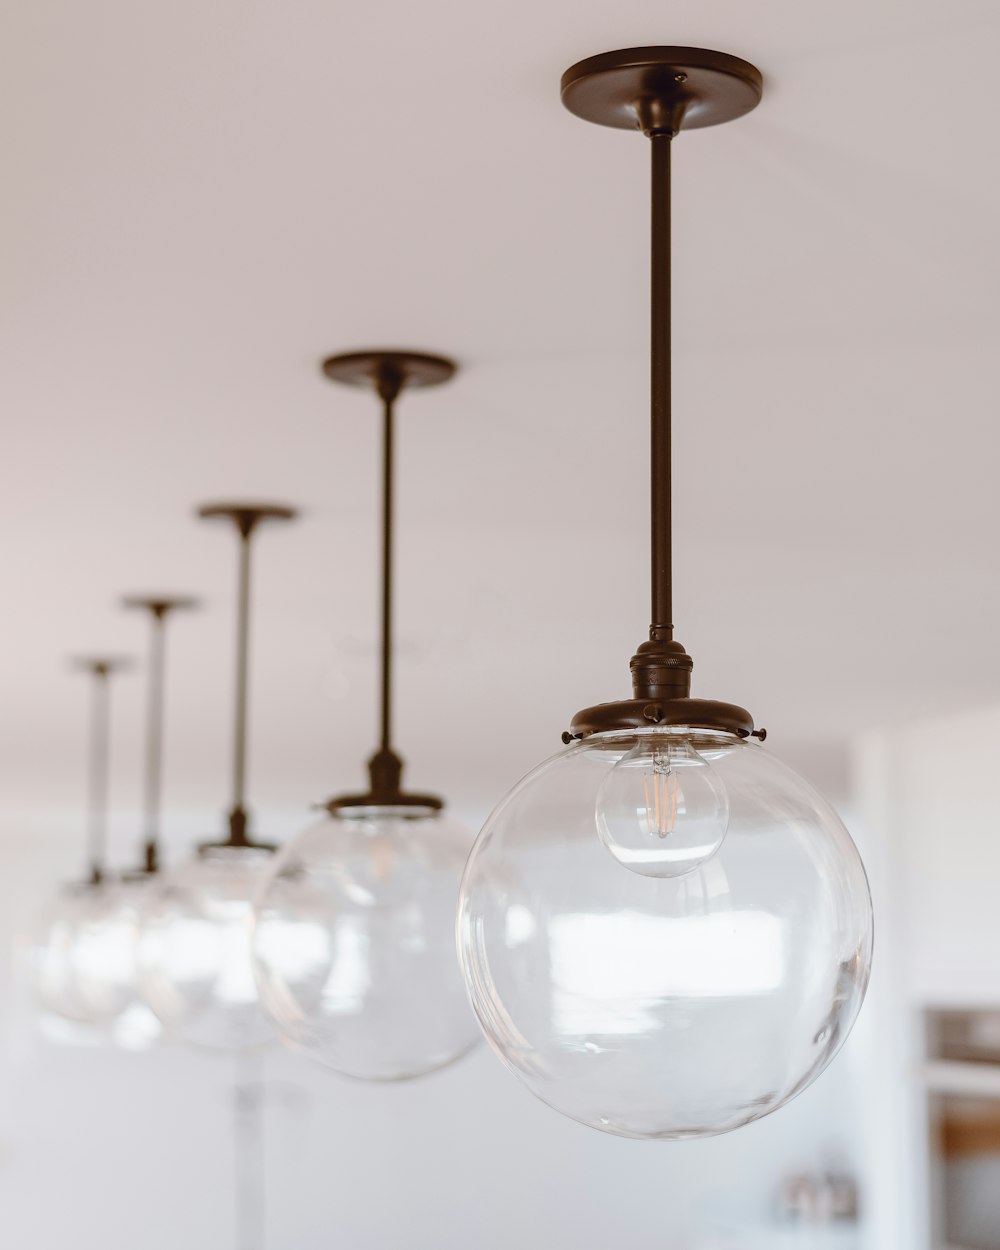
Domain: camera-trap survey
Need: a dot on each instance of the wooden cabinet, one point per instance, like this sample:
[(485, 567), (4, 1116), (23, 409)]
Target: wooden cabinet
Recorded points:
[(961, 1078)]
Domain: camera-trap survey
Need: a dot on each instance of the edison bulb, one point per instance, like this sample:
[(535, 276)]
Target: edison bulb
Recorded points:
[(662, 809), (665, 1006), (354, 945), (194, 950)]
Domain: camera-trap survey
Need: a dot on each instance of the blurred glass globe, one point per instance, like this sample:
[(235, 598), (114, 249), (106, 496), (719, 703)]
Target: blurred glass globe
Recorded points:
[(104, 962), (665, 1006), (354, 942), (52, 961), (194, 950)]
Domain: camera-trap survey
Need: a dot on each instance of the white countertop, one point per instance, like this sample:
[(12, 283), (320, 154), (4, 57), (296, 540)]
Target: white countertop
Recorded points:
[(784, 1237)]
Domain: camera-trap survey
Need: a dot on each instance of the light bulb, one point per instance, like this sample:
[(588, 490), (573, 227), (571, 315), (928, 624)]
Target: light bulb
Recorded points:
[(662, 810)]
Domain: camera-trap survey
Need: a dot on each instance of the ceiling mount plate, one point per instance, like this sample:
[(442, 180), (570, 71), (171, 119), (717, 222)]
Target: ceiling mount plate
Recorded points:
[(101, 665), (408, 806), (160, 605), (367, 367), (246, 516), (697, 86)]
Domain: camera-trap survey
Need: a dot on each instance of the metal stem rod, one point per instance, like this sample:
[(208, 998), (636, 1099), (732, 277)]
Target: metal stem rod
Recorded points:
[(245, 516), (661, 503), (389, 385), (246, 526), (100, 734), (154, 738)]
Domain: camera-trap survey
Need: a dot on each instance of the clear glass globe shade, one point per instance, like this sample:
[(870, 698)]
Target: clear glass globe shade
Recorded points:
[(194, 950), (83, 965), (354, 943), (52, 963), (665, 1007), (103, 956), (662, 810)]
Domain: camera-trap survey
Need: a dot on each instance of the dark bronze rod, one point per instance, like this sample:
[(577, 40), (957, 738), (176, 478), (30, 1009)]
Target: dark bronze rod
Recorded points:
[(100, 754), (662, 627), (245, 517), (154, 739), (159, 608), (242, 666), (389, 385), (388, 433)]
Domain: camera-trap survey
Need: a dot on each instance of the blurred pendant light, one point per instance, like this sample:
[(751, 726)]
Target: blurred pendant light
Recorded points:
[(193, 952), (354, 944), (56, 949), (105, 946), (664, 932)]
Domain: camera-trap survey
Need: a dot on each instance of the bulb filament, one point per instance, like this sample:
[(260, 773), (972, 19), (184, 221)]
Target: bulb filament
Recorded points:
[(382, 859), (662, 793)]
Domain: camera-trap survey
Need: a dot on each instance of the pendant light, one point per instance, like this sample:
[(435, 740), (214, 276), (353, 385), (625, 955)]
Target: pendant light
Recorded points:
[(664, 932), (193, 952), (56, 952), (105, 946), (354, 943)]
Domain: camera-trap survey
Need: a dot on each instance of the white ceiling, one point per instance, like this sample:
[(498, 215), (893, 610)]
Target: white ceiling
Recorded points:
[(203, 200)]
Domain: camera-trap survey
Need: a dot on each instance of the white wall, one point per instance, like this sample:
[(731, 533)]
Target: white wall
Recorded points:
[(930, 788)]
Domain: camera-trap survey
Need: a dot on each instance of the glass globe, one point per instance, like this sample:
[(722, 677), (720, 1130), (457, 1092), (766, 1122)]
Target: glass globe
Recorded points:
[(194, 950), (354, 942), (52, 963), (84, 963), (103, 956), (664, 1006)]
